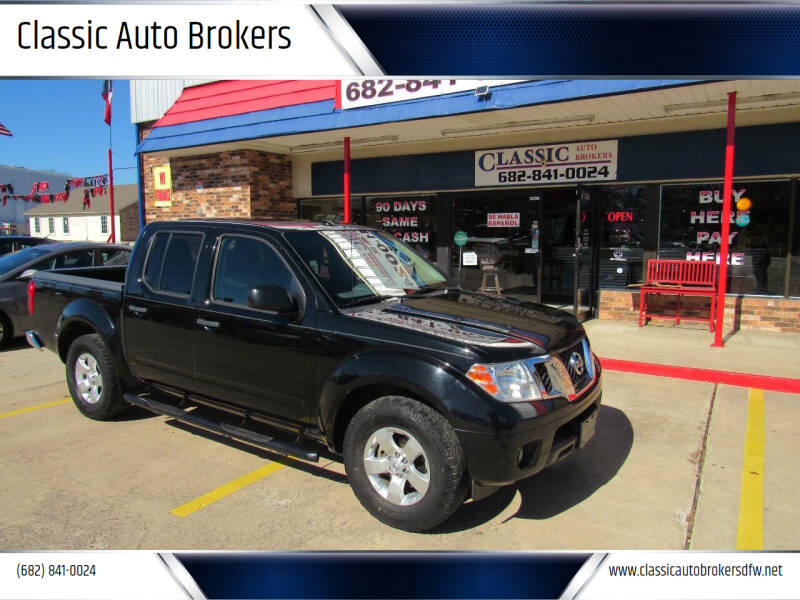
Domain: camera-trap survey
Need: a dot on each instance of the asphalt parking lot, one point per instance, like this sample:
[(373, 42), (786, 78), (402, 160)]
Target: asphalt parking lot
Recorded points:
[(674, 464)]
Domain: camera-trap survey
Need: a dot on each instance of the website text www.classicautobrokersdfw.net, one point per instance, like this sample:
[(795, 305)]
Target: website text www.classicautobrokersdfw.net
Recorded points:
[(702, 570)]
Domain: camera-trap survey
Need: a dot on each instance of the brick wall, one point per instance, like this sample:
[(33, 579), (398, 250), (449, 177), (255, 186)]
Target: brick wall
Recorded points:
[(271, 186), (210, 185), (235, 184), (742, 312), (129, 223)]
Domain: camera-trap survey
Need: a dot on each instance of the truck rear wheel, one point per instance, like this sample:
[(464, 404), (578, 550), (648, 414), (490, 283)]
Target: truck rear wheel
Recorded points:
[(92, 379), (404, 463)]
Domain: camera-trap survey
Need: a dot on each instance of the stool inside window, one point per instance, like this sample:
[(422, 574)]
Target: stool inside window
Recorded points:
[(488, 257)]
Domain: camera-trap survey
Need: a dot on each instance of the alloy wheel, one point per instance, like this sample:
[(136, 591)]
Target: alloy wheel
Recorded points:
[(396, 466), (88, 378)]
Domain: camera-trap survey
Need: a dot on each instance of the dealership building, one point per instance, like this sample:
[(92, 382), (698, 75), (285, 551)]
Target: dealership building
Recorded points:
[(556, 191)]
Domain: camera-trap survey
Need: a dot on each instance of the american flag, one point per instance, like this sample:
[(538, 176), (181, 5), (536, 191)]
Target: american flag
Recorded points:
[(107, 92), (4, 130)]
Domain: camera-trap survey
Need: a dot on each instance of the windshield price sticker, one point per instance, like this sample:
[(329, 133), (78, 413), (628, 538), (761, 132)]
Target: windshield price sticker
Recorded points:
[(558, 163), (367, 92), (376, 260)]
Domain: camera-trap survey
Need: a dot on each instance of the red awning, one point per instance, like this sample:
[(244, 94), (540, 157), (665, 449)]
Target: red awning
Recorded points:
[(226, 98)]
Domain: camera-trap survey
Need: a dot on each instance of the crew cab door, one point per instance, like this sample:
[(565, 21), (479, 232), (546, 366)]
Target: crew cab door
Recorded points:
[(157, 310), (255, 359)]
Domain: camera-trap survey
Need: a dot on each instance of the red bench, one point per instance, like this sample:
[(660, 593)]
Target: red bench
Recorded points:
[(679, 278)]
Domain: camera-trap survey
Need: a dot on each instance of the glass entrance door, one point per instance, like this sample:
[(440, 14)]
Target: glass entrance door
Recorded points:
[(531, 244), (565, 272), (583, 299)]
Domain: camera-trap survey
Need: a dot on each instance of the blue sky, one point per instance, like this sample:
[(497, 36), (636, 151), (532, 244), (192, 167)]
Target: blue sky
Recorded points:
[(58, 125)]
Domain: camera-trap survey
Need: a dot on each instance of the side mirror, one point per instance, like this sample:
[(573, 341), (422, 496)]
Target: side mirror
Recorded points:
[(273, 298), (28, 273)]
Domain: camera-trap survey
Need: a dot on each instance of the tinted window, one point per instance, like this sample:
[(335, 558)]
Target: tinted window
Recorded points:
[(67, 260), (111, 258), (244, 263), (12, 261), (5, 246), (72, 260), (155, 259), (171, 262)]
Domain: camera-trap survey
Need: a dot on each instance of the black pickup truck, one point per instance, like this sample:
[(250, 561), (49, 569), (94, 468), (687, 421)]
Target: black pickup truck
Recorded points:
[(334, 334)]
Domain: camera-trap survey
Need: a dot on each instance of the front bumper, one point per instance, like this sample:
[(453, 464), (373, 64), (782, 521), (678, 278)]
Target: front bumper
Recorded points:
[(496, 459)]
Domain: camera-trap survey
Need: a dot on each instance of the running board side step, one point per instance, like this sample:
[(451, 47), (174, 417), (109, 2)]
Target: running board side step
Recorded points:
[(223, 429)]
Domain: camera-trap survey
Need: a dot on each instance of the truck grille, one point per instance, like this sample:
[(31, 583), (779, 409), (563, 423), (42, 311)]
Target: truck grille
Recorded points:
[(565, 373), (577, 361), (544, 376)]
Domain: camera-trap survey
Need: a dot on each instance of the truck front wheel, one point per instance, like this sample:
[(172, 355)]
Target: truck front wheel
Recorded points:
[(92, 379), (404, 463)]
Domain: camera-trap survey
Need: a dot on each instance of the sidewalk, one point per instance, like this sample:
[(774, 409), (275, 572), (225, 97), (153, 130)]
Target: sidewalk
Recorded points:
[(761, 353)]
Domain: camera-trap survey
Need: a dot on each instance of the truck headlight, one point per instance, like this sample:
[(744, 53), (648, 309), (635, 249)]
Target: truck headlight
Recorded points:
[(509, 382)]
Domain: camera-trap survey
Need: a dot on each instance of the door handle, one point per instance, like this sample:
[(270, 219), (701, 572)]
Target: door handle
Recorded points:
[(139, 310), (208, 324)]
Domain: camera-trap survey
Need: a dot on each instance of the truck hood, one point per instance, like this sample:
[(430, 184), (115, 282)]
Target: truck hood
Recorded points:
[(481, 320)]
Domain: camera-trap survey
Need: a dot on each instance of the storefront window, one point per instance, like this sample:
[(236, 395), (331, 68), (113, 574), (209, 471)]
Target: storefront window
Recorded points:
[(622, 231), (759, 231), (498, 229), (411, 219), (794, 275), (331, 209)]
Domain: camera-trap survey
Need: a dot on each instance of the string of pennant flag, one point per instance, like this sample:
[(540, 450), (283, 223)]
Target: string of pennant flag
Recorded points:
[(97, 185)]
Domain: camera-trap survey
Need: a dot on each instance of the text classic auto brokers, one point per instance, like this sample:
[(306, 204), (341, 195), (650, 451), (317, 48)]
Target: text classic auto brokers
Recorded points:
[(34, 35)]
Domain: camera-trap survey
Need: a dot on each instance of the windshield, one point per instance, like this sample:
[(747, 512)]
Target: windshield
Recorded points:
[(9, 262), (356, 267)]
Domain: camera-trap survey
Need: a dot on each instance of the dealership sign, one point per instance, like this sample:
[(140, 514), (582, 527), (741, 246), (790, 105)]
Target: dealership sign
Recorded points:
[(547, 165)]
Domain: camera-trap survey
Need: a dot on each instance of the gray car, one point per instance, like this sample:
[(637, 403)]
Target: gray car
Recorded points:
[(17, 268)]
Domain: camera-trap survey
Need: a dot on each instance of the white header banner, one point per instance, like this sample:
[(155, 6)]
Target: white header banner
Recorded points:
[(208, 41), (367, 92), (89, 575), (545, 165)]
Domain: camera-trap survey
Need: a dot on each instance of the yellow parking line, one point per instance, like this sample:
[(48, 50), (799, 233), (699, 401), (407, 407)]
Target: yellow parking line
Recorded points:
[(27, 409), (224, 490), (750, 531)]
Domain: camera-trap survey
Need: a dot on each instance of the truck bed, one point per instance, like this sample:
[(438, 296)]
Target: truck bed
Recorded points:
[(56, 290)]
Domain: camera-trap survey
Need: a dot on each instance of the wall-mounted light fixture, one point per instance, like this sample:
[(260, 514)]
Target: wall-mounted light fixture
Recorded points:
[(514, 126), (722, 105), (337, 144)]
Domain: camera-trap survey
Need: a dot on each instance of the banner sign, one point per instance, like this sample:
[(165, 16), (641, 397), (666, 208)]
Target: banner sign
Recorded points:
[(356, 93), (547, 165), (162, 181), (502, 220), (97, 185), (95, 181)]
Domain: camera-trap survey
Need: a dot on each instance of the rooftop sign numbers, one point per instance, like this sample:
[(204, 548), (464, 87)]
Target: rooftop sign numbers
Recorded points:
[(367, 92)]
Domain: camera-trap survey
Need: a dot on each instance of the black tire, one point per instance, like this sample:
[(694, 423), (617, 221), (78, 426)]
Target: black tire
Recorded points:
[(442, 458), (6, 331), (96, 402)]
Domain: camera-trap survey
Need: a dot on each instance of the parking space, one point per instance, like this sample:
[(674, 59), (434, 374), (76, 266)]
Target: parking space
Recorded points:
[(145, 481)]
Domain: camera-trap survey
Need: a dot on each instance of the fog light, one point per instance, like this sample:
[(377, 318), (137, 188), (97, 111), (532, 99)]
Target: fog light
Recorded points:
[(527, 455)]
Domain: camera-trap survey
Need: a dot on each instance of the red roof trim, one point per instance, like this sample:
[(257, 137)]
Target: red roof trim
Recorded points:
[(227, 98)]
